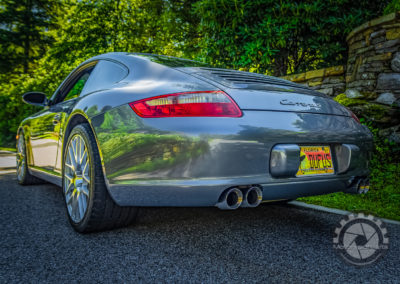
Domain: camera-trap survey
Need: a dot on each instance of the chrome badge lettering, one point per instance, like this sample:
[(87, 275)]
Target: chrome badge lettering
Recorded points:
[(290, 103)]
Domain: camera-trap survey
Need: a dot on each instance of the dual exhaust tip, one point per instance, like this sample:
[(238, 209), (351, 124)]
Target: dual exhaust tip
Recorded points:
[(360, 187), (363, 186), (234, 198)]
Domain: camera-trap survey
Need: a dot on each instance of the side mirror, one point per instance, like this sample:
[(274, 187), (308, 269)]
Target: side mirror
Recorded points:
[(35, 98)]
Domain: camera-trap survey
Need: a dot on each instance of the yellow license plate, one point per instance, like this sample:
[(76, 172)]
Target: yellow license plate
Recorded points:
[(315, 160)]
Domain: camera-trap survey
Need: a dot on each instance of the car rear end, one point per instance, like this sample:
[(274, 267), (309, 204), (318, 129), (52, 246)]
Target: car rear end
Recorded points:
[(250, 138), (328, 138)]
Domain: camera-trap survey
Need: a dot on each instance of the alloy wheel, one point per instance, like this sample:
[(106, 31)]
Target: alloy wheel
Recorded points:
[(21, 161), (77, 178)]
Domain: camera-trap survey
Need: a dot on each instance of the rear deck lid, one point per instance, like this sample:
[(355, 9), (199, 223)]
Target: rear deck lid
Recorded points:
[(253, 91)]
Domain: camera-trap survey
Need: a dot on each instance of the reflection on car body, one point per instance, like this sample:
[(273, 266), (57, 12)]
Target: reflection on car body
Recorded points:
[(127, 130)]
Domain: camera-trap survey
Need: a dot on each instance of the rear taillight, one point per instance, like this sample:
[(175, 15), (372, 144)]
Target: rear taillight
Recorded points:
[(202, 103), (354, 116)]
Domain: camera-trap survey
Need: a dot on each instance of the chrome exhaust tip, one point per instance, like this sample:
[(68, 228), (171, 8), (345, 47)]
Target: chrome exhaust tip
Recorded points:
[(364, 186), (252, 197), (230, 199), (360, 187)]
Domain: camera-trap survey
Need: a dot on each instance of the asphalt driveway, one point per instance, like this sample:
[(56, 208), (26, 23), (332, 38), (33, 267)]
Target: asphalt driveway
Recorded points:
[(268, 244)]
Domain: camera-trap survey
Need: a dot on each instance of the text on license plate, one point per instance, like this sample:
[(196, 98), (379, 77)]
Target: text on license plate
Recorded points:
[(315, 160)]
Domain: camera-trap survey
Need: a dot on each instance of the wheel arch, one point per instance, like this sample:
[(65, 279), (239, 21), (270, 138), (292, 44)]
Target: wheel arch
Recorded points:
[(74, 120), (24, 130)]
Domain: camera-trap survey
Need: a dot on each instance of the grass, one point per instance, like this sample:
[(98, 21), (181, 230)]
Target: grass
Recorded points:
[(8, 149), (371, 203), (382, 200)]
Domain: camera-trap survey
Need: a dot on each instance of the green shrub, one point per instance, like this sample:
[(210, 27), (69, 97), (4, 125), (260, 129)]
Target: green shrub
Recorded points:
[(393, 6)]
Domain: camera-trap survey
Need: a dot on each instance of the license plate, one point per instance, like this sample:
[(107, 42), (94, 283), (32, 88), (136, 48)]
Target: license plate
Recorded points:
[(315, 160)]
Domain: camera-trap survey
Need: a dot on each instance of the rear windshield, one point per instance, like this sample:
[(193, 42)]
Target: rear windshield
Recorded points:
[(172, 61)]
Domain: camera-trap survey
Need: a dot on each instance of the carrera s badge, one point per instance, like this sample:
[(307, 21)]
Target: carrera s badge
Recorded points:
[(291, 103)]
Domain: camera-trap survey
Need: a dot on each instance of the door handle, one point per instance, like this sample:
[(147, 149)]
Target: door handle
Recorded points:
[(56, 119)]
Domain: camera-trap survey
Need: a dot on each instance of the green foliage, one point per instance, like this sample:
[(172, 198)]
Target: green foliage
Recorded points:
[(159, 151), (375, 112), (280, 37), (344, 100), (25, 32), (8, 149), (153, 26), (393, 6), (368, 112), (44, 79)]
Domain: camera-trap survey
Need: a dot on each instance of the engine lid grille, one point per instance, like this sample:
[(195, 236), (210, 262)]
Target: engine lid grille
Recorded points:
[(240, 79)]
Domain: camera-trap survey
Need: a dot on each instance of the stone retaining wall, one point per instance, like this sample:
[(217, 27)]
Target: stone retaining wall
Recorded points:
[(370, 82), (373, 65), (330, 81)]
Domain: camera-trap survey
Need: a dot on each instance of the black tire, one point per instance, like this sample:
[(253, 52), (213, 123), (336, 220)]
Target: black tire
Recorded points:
[(102, 212), (23, 175), (277, 202)]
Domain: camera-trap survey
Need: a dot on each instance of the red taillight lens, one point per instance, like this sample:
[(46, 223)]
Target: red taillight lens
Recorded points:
[(202, 103), (354, 116)]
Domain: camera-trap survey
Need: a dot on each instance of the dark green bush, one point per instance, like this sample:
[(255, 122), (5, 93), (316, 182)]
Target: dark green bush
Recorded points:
[(280, 37)]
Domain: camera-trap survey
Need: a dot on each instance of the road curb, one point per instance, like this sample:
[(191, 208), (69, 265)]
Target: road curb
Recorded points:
[(7, 152), (333, 210), (6, 171), (7, 168)]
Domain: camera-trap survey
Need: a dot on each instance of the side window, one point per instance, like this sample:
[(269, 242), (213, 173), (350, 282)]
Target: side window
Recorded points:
[(105, 74), (73, 86), (77, 87)]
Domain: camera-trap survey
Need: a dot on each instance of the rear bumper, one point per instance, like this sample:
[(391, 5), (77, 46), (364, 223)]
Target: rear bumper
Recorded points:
[(205, 192), (190, 161)]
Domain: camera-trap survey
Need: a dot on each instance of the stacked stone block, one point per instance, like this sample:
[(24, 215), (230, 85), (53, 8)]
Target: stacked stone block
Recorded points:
[(330, 81), (373, 65), (370, 82)]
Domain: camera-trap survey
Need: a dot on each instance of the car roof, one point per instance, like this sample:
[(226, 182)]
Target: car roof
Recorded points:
[(130, 59)]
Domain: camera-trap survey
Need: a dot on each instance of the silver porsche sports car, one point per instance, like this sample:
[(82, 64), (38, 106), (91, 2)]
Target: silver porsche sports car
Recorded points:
[(126, 130)]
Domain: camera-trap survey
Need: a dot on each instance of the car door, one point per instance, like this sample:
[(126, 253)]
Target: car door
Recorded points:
[(46, 126)]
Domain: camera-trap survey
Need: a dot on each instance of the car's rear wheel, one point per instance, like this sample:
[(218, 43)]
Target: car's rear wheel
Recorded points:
[(23, 175), (89, 205)]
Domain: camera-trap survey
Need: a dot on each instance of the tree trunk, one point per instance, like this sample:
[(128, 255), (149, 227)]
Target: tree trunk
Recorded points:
[(28, 28), (280, 65)]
